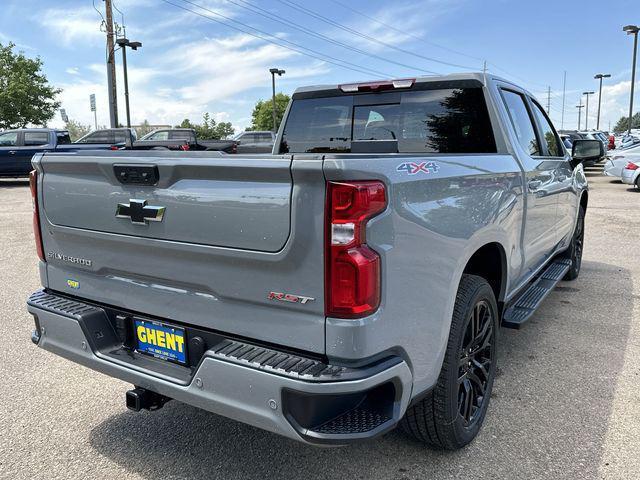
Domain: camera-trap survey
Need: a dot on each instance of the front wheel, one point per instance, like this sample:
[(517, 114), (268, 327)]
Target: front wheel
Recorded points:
[(451, 415), (574, 253)]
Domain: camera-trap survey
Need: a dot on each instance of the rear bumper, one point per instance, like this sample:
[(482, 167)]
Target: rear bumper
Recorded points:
[(320, 404), (628, 176)]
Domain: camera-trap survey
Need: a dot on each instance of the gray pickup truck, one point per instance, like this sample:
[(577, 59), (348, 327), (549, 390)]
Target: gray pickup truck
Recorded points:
[(353, 281)]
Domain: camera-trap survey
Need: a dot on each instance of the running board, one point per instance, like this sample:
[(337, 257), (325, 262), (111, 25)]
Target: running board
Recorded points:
[(521, 310)]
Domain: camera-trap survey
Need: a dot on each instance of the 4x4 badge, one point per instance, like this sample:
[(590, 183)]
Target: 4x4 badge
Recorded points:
[(139, 212)]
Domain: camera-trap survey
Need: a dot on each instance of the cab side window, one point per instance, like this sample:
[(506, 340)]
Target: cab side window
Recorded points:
[(8, 139), (549, 136), (521, 121)]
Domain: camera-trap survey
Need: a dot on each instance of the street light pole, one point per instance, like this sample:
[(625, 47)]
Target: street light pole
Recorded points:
[(600, 76), (586, 115), (579, 107), (632, 30), (274, 72), (124, 43)]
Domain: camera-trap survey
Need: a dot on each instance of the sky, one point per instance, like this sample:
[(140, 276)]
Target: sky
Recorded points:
[(193, 61)]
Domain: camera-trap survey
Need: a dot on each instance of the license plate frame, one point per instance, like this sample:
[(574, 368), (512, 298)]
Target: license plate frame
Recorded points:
[(159, 346)]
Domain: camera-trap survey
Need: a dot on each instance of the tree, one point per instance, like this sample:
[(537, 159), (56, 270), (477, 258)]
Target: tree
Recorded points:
[(143, 128), (261, 117), (26, 97), (76, 129), (209, 129), (623, 124)]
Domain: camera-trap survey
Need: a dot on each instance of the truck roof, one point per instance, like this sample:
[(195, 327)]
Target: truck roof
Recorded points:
[(56, 130), (453, 77)]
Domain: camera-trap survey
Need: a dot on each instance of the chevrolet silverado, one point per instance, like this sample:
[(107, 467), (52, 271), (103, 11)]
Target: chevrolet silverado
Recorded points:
[(354, 280)]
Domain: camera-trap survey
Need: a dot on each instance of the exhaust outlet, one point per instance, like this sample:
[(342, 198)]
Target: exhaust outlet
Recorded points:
[(142, 399)]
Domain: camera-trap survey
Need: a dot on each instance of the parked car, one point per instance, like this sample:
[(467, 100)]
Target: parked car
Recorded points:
[(629, 140), (615, 164), (17, 147), (351, 282), (182, 139), (255, 141), (631, 173), (114, 136)]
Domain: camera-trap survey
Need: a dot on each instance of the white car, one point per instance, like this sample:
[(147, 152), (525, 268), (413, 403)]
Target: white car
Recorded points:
[(631, 173), (619, 159)]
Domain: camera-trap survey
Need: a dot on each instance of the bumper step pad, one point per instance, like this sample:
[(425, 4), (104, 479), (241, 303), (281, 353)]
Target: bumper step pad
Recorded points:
[(279, 362), (522, 309)]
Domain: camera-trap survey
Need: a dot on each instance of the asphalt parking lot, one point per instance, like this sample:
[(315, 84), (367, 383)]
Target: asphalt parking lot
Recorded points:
[(566, 402)]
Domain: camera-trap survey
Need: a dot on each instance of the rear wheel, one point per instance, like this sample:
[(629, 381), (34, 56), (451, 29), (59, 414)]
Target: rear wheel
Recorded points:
[(574, 253), (451, 415)]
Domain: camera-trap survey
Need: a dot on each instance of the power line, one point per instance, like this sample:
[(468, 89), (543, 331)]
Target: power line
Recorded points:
[(262, 35), (265, 13), (402, 32), (324, 19)]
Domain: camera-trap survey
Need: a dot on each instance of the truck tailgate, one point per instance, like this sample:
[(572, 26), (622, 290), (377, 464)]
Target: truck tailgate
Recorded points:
[(223, 244)]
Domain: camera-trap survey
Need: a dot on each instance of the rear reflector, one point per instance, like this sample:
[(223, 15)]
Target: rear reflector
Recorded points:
[(352, 268), (33, 186), (377, 86), (631, 166)]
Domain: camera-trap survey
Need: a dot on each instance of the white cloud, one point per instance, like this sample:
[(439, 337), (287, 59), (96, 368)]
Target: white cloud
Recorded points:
[(72, 70), (212, 74), (69, 26)]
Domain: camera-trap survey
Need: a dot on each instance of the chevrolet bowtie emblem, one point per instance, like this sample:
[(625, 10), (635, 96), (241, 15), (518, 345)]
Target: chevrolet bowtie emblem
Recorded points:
[(139, 212)]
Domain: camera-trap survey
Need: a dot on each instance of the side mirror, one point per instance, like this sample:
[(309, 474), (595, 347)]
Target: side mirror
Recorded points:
[(584, 150)]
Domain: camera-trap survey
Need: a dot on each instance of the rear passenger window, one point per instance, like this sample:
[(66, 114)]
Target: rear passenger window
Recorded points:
[(549, 136), (521, 122), (33, 139)]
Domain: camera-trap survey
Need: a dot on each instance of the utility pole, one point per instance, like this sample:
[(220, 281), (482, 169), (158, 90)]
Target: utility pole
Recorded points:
[(564, 92), (111, 66), (274, 72), (549, 100), (632, 30), (600, 76), (579, 107), (586, 115)]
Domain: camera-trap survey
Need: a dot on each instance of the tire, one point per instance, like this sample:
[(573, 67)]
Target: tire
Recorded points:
[(574, 253), (637, 183), (441, 420)]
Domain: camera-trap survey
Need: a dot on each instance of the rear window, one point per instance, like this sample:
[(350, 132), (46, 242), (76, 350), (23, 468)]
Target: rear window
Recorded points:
[(63, 138), (453, 120)]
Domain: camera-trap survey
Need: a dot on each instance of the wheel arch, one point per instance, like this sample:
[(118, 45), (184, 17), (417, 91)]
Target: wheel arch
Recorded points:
[(490, 262), (584, 200)]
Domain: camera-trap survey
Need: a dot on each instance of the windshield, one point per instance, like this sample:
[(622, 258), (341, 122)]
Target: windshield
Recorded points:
[(453, 120)]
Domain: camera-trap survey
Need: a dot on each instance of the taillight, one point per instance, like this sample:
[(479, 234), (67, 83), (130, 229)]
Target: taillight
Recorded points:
[(631, 166), (352, 269), (114, 147), (33, 185)]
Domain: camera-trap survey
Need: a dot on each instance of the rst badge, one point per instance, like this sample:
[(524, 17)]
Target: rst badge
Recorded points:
[(288, 297), (413, 168)]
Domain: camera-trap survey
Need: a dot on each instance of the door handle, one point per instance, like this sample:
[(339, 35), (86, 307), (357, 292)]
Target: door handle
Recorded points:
[(534, 185), (12, 152)]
